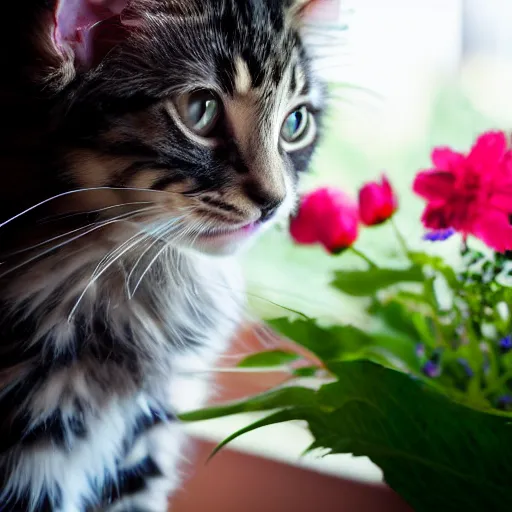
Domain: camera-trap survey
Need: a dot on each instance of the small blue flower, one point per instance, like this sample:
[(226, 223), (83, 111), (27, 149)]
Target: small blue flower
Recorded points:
[(420, 350), (504, 402), (505, 344), (440, 235), (466, 366), (431, 369)]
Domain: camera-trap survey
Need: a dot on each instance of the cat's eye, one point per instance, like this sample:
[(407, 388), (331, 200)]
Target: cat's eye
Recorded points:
[(296, 125), (200, 111)]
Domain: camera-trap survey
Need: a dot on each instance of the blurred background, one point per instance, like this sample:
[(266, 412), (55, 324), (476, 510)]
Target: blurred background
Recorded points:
[(404, 76)]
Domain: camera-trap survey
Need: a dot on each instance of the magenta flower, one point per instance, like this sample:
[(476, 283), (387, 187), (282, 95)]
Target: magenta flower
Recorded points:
[(328, 217), (471, 193), (377, 202)]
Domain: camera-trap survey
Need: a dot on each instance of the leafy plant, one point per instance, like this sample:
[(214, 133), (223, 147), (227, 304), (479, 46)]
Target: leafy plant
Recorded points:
[(425, 391)]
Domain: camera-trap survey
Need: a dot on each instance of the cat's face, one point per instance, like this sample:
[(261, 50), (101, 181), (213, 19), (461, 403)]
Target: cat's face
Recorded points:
[(206, 112)]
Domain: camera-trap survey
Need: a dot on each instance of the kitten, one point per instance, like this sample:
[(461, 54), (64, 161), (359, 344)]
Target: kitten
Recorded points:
[(146, 143)]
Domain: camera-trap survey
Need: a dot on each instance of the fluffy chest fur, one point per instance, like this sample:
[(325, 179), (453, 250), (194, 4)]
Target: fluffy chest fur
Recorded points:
[(94, 392)]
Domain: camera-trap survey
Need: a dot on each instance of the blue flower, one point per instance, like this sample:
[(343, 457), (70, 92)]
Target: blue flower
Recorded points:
[(505, 344), (504, 402), (431, 369), (466, 366), (420, 350), (440, 235)]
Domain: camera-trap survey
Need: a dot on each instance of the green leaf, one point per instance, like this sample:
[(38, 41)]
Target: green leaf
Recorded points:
[(272, 419), (275, 399), (306, 371), (268, 359), (365, 283), (395, 316), (328, 343), (435, 453), (347, 343), (423, 325), (437, 263)]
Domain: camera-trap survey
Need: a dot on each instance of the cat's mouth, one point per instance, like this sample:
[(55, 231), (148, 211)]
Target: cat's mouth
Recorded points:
[(226, 239), (231, 234)]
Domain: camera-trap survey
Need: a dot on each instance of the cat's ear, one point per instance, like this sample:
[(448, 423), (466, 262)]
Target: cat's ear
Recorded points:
[(87, 29), (299, 9)]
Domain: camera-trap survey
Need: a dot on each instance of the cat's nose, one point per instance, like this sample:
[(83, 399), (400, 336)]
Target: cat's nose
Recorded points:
[(267, 199), (268, 212)]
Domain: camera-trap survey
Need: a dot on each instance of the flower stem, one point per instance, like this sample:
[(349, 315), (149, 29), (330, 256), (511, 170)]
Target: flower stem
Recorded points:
[(499, 384), (363, 256), (400, 238)]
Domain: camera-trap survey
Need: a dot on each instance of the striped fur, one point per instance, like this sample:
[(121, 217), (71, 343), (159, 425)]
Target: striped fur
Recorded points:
[(112, 306)]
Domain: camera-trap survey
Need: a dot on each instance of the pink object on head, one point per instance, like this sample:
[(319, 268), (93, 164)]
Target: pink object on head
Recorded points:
[(76, 23)]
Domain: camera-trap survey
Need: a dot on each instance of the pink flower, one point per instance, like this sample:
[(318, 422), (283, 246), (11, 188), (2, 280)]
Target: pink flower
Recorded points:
[(471, 193), (328, 217), (377, 202)]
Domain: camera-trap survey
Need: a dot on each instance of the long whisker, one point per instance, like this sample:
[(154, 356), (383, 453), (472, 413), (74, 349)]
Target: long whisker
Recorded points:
[(158, 234), (150, 264), (98, 275), (97, 224), (77, 191), (87, 212), (113, 257), (58, 246)]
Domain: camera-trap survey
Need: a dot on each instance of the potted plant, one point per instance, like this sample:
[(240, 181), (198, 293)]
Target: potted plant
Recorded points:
[(426, 392)]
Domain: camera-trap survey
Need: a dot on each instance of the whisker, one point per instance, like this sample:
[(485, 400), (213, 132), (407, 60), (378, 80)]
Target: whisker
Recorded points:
[(159, 232), (98, 275), (112, 255), (58, 246), (86, 212), (77, 191), (98, 224), (139, 237), (157, 255)]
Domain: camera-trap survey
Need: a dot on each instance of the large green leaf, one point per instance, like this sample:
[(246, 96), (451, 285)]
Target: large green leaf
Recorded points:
[(295, 396), (347, 343), (268, 359), (365, 283), (435, 453), (328, 343)]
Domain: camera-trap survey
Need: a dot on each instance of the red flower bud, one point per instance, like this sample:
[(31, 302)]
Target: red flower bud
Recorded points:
[(377, 202), (328, 217)]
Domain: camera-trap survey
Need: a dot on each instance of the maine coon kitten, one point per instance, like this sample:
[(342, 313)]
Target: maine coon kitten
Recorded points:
[(144, 144)]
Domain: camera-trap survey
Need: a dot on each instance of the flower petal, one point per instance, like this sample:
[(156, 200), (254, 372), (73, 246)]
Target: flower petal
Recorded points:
[(495, 230), (488, 150), (434, 185), (434, 217), (501, 200), (445, 158)]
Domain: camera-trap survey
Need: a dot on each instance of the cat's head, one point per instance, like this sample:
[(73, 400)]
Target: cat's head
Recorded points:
[(202, 114)]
